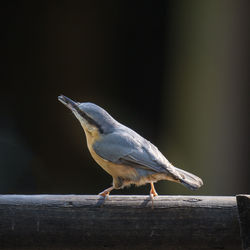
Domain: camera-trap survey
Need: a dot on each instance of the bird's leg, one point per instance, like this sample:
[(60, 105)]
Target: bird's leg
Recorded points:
[(106, 192), (152, 193)]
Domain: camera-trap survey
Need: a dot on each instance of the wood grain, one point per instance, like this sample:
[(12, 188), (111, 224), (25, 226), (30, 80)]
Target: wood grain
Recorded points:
[(122, 222)]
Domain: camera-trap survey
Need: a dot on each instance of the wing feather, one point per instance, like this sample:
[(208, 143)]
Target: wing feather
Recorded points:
[(123, 148), (133, 150)]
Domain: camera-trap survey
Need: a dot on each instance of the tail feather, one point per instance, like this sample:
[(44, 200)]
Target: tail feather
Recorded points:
[(189, 180)]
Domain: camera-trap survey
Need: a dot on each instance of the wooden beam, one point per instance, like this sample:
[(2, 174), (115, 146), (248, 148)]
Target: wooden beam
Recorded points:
[(122, 222), (243, 202)]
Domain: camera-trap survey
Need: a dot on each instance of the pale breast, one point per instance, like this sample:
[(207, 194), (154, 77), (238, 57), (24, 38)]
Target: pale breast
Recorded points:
[(115, 170)]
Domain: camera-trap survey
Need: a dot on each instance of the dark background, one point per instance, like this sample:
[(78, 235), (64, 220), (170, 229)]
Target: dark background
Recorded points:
[(177, 72)]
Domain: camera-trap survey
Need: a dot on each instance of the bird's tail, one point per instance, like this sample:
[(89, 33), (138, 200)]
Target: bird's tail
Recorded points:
[(189, 180)]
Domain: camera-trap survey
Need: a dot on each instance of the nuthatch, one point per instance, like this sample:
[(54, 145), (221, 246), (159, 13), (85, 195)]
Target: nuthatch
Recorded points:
[(124, 154)]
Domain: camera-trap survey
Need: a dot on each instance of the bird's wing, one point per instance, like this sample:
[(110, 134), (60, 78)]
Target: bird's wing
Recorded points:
[(133, 150)]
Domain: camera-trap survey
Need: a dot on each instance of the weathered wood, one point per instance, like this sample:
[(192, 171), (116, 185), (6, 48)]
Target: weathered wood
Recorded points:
[(122, 222), (243, 202)]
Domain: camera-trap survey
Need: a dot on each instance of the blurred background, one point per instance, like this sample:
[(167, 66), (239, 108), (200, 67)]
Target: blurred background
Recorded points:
[(177, 72)]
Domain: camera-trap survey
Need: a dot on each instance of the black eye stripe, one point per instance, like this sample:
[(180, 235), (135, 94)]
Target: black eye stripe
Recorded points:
[(73, 105), (89, 119)]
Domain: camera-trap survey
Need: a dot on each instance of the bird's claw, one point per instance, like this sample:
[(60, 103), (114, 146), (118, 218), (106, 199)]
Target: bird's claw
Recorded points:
[(105, 195), (152, 196)]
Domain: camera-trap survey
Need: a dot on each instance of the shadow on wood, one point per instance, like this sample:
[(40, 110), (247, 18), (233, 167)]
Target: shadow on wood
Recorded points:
[(122, 222)]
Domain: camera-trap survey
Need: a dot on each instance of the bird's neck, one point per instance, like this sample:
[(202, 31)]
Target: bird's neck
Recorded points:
[(92, 136)]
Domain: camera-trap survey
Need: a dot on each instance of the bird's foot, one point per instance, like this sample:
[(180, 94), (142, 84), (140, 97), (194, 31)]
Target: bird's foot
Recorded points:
[(105, 193), (153, 194), (152, 190)]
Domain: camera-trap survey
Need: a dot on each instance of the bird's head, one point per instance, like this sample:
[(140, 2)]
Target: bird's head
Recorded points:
[(91, 116)]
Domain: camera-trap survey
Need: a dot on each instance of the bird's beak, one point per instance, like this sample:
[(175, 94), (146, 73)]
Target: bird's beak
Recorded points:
[(68, 102), (79, 113), (74, 107)]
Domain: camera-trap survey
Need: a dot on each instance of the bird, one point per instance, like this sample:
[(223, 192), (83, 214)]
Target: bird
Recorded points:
[(123, 153)]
